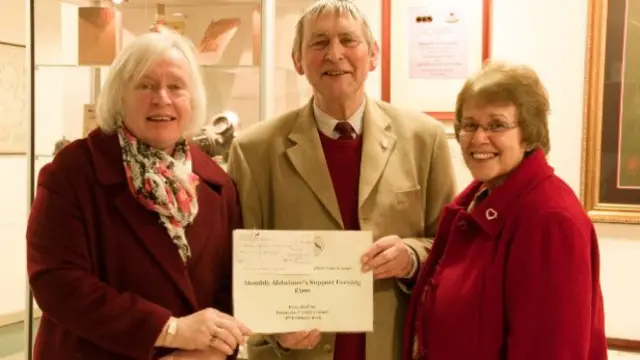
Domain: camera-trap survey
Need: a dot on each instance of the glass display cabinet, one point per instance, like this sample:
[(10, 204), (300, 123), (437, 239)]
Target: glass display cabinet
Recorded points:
[(244, 49)]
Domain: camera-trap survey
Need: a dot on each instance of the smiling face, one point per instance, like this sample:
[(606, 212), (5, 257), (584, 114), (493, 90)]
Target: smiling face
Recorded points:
[(335, 57), (490, 155), (157, 107)]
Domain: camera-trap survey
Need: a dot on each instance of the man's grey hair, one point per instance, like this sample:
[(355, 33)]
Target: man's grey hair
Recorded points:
[(131, 64), (339, 7)]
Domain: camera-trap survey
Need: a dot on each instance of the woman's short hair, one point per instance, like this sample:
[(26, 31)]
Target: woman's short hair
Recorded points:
[(500, 83), (131, 64), (338, 7)]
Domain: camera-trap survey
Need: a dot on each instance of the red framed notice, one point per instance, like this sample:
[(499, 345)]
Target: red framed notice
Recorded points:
[(429, 48)]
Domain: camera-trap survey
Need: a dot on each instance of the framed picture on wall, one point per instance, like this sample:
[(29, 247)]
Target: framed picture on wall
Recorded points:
[(13, 99), (611, 147), (429, 48)]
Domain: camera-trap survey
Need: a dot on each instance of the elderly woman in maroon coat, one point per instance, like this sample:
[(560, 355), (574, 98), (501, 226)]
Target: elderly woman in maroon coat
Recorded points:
[(514, 270), (129, 238)]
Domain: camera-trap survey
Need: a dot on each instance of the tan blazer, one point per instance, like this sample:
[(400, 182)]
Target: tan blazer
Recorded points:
[(406, 179)]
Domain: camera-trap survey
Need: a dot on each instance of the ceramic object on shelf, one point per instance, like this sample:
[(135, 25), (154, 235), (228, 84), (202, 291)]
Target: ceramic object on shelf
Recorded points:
[(215, 138), (60, 144)]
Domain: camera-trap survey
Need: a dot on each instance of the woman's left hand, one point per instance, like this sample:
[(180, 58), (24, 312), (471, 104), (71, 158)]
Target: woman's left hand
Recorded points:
[(208, 354)]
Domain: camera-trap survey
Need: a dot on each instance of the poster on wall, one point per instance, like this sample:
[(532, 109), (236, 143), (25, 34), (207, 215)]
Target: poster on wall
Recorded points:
[(437, 42), (13, 102), (611, 150), (428, 49)]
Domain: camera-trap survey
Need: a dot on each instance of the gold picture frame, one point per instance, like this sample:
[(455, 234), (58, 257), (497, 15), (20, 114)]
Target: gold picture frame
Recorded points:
[(610, 184)]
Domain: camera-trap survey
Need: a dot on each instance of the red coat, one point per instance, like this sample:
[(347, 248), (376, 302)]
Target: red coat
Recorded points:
[(103, 269), (515, 279)]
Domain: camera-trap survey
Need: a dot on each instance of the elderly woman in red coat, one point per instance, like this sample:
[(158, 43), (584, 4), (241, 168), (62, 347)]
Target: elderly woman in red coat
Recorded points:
[(514, 269), (129, 237)]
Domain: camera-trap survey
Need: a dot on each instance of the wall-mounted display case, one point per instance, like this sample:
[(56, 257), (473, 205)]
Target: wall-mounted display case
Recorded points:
[(244, 46)]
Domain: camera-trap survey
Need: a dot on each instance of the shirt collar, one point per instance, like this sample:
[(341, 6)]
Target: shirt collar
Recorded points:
[(326, 123)]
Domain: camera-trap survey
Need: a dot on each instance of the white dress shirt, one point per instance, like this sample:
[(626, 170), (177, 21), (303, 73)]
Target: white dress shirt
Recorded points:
[(326, 124)]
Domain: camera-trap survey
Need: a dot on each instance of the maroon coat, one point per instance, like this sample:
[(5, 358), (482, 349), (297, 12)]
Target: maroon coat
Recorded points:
[(102, 267), (515, 279)]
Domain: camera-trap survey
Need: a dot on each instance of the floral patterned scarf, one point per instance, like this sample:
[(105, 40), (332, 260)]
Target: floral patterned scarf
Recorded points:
[(162, 183)]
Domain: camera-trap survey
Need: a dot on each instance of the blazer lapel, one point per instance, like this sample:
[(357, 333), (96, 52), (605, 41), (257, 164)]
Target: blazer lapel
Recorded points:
[(307, 158), (107, 156), (378, 142)]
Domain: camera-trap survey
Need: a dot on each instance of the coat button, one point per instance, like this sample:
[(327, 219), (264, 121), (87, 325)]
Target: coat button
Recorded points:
[(328, 348)]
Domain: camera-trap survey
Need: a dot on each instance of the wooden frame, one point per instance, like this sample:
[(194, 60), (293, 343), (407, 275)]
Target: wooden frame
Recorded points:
[(447, 115), (610, 184), (625, 345)]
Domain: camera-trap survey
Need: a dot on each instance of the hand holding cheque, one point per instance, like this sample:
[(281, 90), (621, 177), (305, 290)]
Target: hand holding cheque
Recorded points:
[(292, 281), (207, 331)]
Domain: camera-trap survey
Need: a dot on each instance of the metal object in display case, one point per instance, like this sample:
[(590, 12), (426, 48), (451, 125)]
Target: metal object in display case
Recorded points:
[(215, 138), (60, 144)]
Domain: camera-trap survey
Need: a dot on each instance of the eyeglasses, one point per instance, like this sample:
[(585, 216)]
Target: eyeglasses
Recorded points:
[(495, 127)]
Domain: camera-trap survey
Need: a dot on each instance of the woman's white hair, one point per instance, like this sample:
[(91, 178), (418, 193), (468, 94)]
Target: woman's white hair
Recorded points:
[(133, 61)]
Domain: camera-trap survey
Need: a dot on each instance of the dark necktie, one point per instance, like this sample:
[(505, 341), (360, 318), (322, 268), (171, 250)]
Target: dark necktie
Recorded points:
[(344, 130)]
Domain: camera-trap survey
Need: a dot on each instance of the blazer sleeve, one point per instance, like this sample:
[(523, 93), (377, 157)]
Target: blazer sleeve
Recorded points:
[(440, 189), (549, 284), (240, 171), (63, 282)]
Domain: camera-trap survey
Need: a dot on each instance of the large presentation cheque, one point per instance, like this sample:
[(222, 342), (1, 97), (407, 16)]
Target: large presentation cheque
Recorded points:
[(285, 281)]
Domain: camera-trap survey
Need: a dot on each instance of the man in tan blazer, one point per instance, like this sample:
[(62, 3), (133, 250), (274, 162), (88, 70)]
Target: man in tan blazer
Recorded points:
[(389, 172)]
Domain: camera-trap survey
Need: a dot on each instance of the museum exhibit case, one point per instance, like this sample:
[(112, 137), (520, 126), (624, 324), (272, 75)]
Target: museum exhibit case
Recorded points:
[(244, 51)]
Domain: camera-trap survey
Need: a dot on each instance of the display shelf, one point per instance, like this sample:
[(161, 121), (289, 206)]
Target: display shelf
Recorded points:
[(63, 89)]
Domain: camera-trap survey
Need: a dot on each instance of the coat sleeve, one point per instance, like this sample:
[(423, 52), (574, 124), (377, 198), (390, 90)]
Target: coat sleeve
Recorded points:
[(549, 286), (440, 188), (239, 170), (64, 283)]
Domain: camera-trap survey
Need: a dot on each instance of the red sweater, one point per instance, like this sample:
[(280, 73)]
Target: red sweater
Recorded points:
[(343, 160)]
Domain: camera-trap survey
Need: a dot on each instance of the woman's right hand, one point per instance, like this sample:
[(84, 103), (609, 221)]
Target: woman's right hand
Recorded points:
[(209, 328)]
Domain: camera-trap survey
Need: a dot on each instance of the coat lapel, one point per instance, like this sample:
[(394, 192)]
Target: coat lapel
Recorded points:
[(107, 156), (378, 143), (307, 158), (212, 179), (146, 225)]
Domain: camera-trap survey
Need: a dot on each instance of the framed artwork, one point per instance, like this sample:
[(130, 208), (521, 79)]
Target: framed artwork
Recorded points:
[(429, 48), (611, 150), (13, 103)]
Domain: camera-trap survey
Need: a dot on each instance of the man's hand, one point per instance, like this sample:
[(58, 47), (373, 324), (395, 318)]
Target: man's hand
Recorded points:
[(299, 340), (388, 257)]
